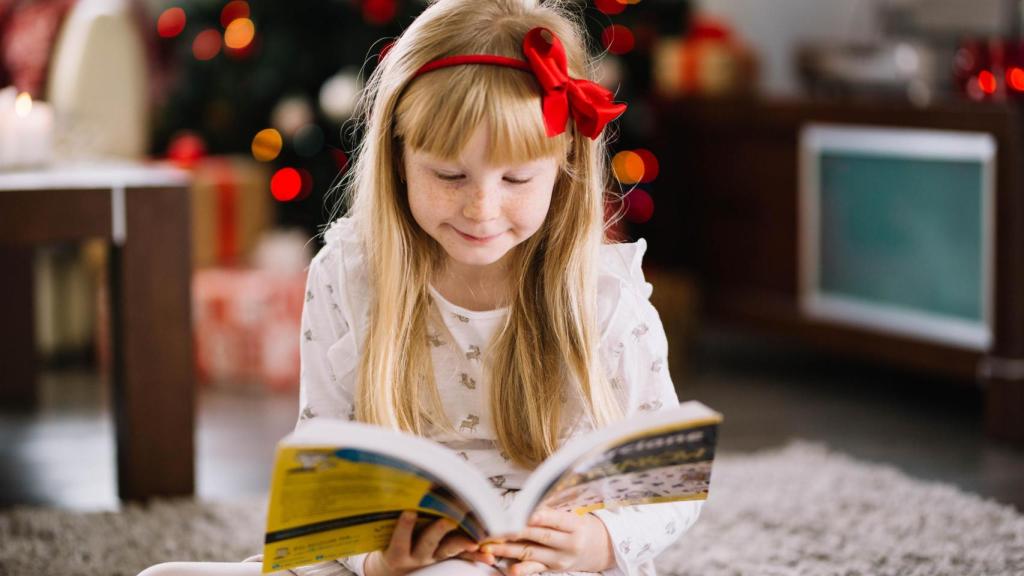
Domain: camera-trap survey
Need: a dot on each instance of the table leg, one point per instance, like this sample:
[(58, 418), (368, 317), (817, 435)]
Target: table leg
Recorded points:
[(154, 384), (18, 361)]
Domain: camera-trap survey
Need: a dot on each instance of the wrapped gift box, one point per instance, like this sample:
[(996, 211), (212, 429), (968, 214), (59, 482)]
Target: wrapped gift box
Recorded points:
[(246, 325), (231, 209)]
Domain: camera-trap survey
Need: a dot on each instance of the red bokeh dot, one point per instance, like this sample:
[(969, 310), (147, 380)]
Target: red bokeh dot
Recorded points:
[(987, 82), (307, 184), (171, 22), (232, 11), (617, 39), (651, 166), (340, 159), (206, 44), (186, 148), (610, 7), (379, 12), (1015, 78), (286, 184), (639, 206)]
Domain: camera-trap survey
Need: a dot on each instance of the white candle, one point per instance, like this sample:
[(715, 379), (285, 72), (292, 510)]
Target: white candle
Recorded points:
[(26, 131)]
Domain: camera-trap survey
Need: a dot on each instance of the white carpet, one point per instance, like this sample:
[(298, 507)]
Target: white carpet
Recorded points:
[(801, 509)]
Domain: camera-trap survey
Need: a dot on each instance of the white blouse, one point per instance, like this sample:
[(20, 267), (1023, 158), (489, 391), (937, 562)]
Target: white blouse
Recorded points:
[(633, 350)]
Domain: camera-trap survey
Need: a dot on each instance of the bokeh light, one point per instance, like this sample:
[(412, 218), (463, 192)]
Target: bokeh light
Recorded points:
[(987, 82), (618, 39), (266, 145), (610, 7), (309, 140), (206, 45), (628, 167), (1015, 78), (639, 206), (651, 166), (186, 148), (286, 184), (340, 159), (233, 11), (307, 184), (171, 22), (239, 33), (379, 12)]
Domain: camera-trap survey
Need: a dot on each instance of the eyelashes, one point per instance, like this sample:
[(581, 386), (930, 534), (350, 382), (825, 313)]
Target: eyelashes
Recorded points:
[(458, 177)]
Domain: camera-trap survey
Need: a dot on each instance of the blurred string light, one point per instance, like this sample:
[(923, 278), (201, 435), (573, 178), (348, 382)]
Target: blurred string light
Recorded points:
[(234, 10), (987, 82), (628, 167), (266, 145), (651, 166), (610, 7), (186, 148), (171, 22), (639, 206), (206, 44), (239, 33), (286, 184), (618, 39), (1015, 78)]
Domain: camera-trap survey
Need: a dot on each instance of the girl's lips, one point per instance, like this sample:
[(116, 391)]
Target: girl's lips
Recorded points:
[(476, 239)]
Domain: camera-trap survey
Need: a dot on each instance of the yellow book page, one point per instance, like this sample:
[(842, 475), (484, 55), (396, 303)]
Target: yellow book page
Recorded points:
[(327, 503)]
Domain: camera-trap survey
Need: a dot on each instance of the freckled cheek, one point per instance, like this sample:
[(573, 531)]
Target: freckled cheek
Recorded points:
[(529, 212)]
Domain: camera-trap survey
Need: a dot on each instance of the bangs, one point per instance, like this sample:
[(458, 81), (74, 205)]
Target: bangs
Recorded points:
[(440, 111)]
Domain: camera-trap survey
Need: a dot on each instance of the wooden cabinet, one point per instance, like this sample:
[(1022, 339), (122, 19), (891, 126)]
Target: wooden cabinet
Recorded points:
[(727, 212)]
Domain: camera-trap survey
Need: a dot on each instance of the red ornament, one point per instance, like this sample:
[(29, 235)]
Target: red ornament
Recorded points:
[(186, 148), (286, 184), (618, 39), (379, 12), (639, 206)]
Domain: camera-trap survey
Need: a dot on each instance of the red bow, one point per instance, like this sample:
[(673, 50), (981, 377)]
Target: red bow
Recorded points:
[(590, 103)]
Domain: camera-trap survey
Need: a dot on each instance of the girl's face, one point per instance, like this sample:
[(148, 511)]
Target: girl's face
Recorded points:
[(478, 212)]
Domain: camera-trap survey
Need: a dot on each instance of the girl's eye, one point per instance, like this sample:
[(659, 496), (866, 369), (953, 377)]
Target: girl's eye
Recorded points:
[(449, 177), (514, 181)]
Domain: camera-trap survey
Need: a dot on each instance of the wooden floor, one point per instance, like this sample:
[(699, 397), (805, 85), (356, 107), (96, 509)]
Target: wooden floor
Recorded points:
[(62, 453)]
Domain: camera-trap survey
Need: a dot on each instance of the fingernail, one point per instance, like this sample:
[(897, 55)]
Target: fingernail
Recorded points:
[(408, 515), (486, 549)]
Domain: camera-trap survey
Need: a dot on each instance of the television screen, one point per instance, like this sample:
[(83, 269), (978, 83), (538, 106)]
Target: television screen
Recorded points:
[(897, 231)]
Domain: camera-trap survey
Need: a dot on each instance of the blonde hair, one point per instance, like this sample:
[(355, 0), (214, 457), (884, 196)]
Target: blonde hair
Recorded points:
[(550, 338)]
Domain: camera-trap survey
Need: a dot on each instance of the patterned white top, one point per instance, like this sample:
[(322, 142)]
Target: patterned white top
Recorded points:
[(633, 350)]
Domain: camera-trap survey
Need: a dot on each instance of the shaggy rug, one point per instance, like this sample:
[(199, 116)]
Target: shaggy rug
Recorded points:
[(800, 509)]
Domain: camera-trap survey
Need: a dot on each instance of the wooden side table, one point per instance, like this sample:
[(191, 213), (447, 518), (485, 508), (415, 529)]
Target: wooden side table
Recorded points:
[(143, 212)]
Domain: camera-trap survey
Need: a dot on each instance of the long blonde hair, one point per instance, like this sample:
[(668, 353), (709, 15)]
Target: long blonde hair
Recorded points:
[(548, 345)]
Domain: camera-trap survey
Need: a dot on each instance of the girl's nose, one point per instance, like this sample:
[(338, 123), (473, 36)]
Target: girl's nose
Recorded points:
[(483, 204)]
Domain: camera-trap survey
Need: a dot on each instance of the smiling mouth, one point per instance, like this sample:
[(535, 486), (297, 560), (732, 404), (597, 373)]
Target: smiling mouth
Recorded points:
[(477, 239)]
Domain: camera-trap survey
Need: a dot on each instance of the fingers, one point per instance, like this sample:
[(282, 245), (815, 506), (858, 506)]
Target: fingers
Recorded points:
[(527, 568), (426, 545), (477, 556), (525, 552), (401, 538), (452, 545), (555, 519), (546, 536)]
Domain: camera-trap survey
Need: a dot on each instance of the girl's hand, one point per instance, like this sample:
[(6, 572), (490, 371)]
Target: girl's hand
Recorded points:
[(432, 545), (561, 541)]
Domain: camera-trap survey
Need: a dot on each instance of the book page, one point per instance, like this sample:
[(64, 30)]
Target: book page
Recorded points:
[(651, 457), (328, 502), (661, 465)]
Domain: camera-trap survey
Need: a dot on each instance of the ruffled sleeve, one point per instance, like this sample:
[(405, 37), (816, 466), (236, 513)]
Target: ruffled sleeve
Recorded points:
[(635, 350), (330, 335)]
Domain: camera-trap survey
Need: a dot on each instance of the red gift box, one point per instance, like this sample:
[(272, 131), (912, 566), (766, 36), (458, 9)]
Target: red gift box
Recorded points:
[(246, 325)]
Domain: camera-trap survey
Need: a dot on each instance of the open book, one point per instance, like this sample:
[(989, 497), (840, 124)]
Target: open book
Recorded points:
[(338, 487)]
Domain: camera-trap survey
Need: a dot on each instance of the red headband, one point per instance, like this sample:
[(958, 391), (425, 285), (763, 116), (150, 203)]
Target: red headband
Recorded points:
[(591, 104)]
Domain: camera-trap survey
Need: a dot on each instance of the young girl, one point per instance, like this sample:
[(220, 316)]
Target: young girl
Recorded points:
[(468, 295)]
